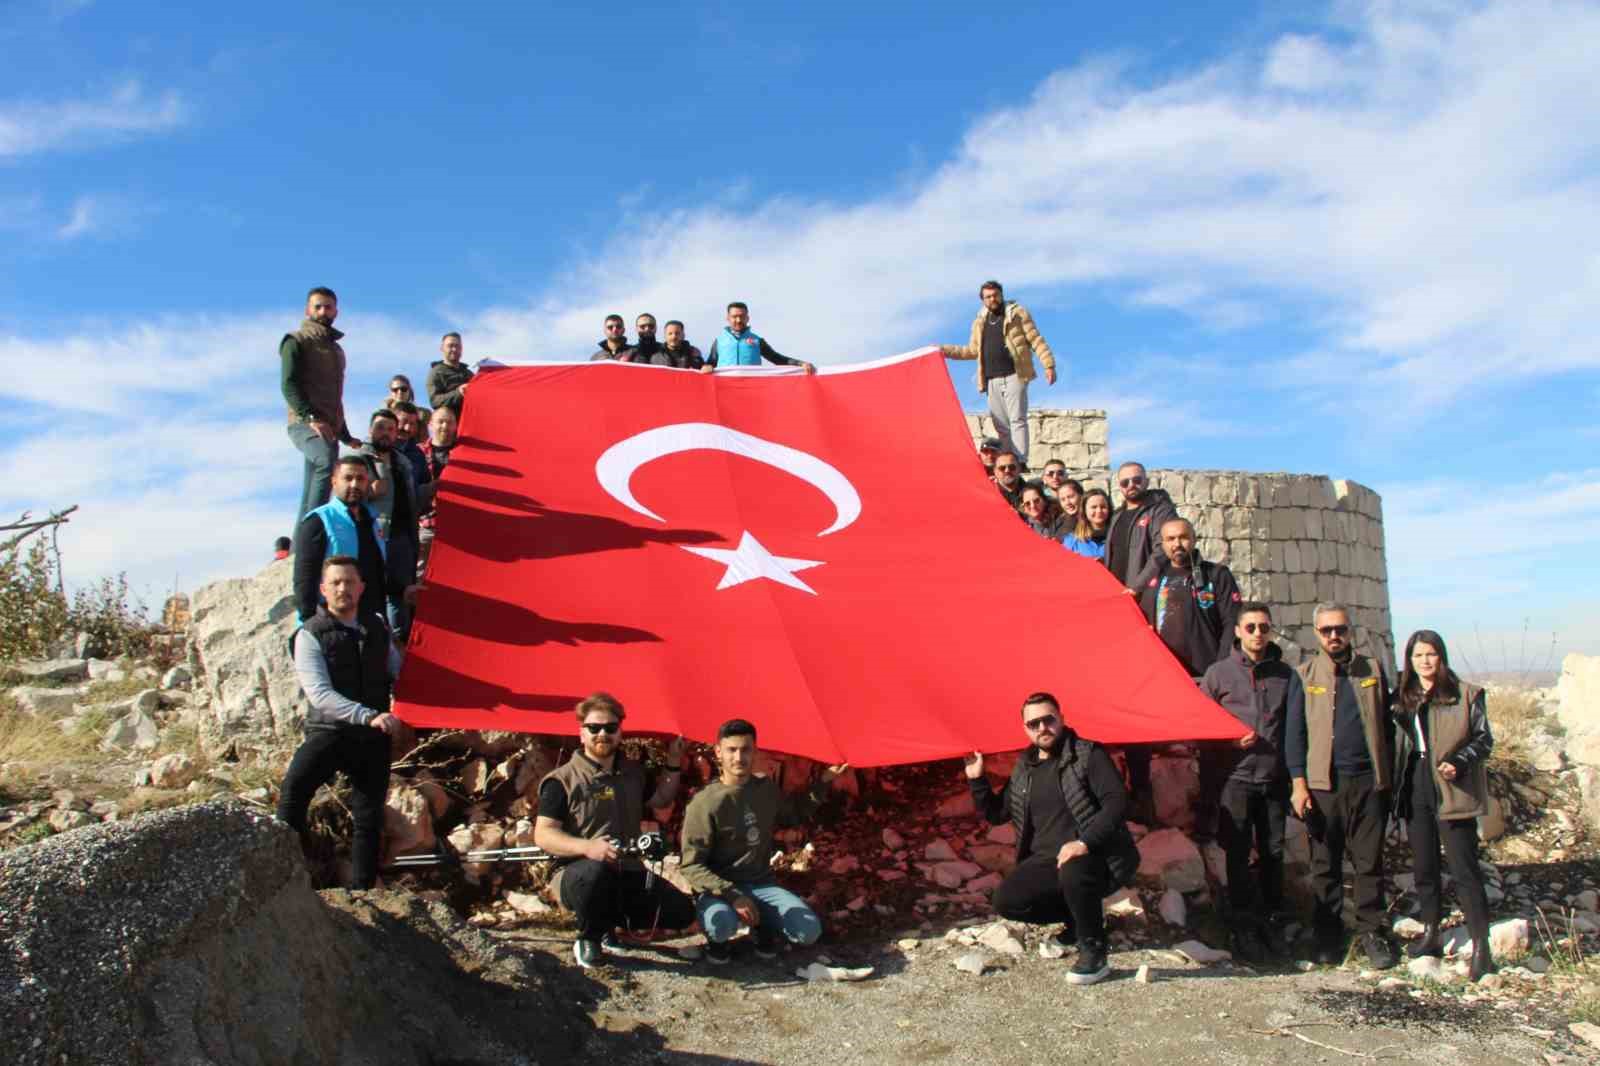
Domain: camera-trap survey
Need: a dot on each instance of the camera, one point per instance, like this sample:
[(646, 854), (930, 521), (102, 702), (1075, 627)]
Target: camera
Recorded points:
[(652, 846)]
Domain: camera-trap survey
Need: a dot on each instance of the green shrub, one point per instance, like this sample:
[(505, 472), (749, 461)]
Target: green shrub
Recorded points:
[(35, 617)]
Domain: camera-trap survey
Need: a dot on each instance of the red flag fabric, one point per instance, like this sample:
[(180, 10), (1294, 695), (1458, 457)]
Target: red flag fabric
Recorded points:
[(820, 554)]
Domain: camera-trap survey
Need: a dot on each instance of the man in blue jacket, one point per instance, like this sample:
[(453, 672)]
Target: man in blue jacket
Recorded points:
[(739, 345), (1258, 688), (345, 525)]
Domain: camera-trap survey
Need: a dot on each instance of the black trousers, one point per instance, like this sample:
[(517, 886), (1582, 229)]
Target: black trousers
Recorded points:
[(1253, 815), (1039, 892), (1143, 800), (362, 753), (1460, 839), (604, 898), (1351, 816)]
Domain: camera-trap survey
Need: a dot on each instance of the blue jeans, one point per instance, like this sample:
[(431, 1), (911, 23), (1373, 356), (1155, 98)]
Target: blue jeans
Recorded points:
[(320, 456), (780, 910)]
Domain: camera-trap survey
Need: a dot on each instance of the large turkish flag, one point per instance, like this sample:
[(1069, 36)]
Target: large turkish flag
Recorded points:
[(821, 554)]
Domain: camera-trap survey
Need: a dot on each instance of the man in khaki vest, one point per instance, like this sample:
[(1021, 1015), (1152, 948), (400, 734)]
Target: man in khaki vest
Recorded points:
[(1340, 752), (311, 375), (587, 805)]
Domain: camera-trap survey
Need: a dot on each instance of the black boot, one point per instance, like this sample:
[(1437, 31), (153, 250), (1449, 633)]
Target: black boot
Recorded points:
[(1431, 943), (1091, 965)]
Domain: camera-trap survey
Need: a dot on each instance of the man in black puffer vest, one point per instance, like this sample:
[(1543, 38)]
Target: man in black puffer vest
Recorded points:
[(1066, 799), (346, 665)]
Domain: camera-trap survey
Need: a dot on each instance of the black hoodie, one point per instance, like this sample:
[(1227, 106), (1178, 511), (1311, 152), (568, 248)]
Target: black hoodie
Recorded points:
[(1209, 613), (1128, 553), (1261, 696)]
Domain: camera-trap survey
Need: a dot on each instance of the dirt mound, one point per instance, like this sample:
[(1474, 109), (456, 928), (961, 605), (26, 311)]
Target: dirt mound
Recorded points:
[(193, 935)]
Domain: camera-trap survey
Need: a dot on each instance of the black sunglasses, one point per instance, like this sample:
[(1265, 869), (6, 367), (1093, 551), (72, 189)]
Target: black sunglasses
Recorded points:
[(1033, 725), (1128, 481), (1256, 627), (1333, 631), (596, 728)]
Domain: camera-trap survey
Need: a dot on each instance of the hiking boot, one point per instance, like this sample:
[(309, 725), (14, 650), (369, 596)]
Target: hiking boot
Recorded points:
[(587, 952), (718, 953), (1329, 950), (1482, 960), (1431, 944), (1378, 950), (767, 945), (1091, 964), (1272, 937), (1247, 944)]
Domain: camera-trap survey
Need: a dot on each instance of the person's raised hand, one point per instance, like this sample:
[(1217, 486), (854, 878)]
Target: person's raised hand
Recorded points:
[(834, 771), (972, 765), (811, 368)]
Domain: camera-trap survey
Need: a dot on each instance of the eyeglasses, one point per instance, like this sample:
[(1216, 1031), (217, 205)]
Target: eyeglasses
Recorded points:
[(1033, 725), (1006, 469), (596, 728), (1333, 631), (399, 388), (1256, 627), (1128, 482), (1056, 474)]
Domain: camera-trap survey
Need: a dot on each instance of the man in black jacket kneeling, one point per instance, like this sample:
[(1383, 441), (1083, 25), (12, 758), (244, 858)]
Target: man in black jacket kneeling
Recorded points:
[(1066, 799)]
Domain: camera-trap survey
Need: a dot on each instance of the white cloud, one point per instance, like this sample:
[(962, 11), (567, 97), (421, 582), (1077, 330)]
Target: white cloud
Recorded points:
[(29, 127), (1416, 187)]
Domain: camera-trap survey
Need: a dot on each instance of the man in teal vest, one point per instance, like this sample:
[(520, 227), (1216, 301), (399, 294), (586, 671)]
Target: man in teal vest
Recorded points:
[(738, 345), (345, 525)]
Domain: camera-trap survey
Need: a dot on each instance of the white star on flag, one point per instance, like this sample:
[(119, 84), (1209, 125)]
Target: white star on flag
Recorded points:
[(751, 560)]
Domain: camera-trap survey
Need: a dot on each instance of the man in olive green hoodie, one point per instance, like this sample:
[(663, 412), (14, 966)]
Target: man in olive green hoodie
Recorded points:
[(727, 850)]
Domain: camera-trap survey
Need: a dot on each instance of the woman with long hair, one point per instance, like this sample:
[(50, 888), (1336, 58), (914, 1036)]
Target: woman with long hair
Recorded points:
[(399, 391), (1041, 517), (1088, 538), (1442, 744)]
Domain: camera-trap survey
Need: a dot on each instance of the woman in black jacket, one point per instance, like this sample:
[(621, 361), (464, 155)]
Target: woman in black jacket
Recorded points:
[(1442, 744)]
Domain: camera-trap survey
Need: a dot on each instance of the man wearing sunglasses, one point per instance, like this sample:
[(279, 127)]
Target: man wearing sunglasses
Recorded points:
[(614, 345), (1066, 800), (586, 806), (1135, 534), (1258, 688), (448, 377), (1008, 479), (1339, 751)]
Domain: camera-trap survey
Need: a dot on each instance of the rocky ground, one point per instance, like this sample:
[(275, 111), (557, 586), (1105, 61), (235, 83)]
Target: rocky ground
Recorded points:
[(898, 864)]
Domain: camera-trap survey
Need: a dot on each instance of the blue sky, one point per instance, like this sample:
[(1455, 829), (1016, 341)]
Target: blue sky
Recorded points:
[(1355, 239)]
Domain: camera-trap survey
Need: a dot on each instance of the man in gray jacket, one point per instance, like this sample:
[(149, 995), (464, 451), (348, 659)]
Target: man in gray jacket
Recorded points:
[(1135, 534), (1258, 688), (448, 377), (346, 666)]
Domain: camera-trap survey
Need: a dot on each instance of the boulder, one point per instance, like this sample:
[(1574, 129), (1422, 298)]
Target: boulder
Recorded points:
[(52, 670), (407, 821), (1509, 939), (147, 701), (1172, 856), (173, 771), (1172, 908), (1588, 778), (527, 904), (239, 652), (87, 646), (1124, 903), (1004, 833), (36, 699), (998, 938), (939, 851), (1175, 787), (1578, 697), (135, 730), (178, 677), (1001, 858), (122, 944)]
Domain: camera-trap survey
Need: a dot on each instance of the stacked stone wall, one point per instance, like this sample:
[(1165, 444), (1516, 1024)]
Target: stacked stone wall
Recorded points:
[(1291, 540)]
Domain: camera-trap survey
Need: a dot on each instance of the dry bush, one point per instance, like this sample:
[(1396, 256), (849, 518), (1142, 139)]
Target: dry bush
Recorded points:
[(33, 744), (35, 616), (1515, 716)]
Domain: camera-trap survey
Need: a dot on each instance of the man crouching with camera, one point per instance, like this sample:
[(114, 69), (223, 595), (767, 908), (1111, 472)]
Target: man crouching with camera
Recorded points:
[(587, 806)]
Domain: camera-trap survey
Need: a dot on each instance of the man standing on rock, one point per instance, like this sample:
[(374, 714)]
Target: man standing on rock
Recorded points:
[(1340, 754), (312, 380), (1258, 688), (587, 806), (727, 850), (1066, 800), (346, 663), (1004, 341), (448, 377), (346, 525), (1135, 535)]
